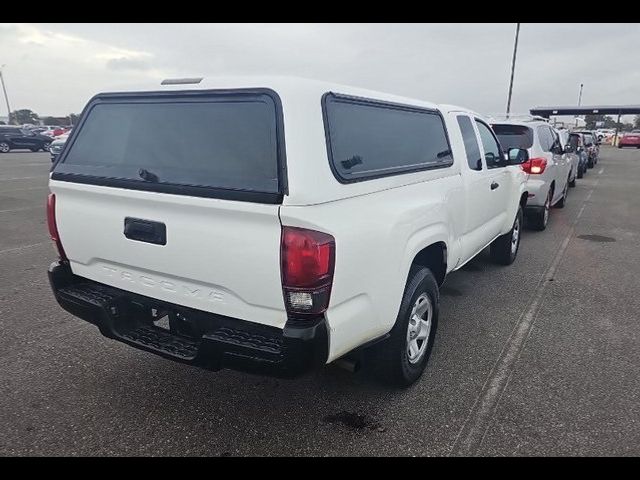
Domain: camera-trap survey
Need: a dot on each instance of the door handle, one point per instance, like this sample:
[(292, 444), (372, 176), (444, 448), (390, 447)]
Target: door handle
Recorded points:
[(494, 185)]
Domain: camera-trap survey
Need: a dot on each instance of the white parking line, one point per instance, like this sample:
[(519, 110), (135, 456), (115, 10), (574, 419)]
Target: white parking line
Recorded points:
[(21, 209), (477, 423), (18, 164), (23, 189), (600, 172), (19, 178), (24, 247)]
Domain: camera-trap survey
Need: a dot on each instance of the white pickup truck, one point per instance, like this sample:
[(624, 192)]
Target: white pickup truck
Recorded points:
[(275, 224)]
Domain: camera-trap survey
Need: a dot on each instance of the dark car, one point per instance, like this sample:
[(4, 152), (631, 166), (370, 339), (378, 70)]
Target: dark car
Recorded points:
[(592, 145), (14, 138), (577, 145)]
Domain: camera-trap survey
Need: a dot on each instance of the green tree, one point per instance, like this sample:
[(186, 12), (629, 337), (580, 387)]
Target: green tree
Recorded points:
[(636, 122), (73, 118), (592, 119), (24, 116), (49, 120)]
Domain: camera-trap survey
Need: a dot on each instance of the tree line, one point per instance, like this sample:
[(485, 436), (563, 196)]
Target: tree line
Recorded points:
[(609, 122), (27, 116)]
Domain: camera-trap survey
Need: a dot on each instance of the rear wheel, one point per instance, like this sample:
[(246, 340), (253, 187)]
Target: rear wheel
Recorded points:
[(504, 249), (401, 358), (4, 147), (540, 219), (580, 171), (45, 147), (563, 201)]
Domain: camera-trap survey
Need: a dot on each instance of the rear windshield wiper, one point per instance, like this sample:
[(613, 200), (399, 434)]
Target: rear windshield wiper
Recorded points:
[(147, 176)]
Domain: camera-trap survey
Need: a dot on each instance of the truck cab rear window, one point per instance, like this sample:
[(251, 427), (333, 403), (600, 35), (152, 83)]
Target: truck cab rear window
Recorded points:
[(370, 139), (227, 142)]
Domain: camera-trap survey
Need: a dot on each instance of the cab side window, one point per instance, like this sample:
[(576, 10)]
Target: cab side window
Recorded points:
[(474, 157), (493, 155)]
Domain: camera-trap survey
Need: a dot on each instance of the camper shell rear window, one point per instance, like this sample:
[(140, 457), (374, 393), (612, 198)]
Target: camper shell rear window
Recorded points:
[(215, 143)]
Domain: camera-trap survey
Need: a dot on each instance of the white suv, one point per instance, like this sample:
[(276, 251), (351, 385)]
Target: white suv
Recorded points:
[(549, 166), (272, 225)]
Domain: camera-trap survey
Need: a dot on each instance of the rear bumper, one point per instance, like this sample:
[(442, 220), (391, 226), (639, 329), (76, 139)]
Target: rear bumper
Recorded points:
[(195, 337)]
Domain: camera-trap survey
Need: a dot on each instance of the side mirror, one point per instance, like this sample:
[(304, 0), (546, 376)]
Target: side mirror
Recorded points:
[(568, 149), (557, 149), (517, 156)]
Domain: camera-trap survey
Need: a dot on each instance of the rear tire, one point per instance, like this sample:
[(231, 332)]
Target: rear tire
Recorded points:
[(540, 219), (580, 172), (504, 249), (4, 147), (563, 201), (400, 359)]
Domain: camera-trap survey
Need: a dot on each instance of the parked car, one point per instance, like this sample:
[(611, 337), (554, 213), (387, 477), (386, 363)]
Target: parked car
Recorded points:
[(548, 168), (14, 138), (260, 252), (577, 145), (56, 146), (592, 147), (572, 156), (53, 131), (630, 139)]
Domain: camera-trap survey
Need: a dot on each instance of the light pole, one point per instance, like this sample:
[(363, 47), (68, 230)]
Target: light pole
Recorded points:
[(580, 94), (513, 68), (6, 98), (579, 101)]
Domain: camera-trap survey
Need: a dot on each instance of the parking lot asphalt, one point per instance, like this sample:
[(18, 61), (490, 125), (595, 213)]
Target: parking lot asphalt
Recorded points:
[(539, 358)]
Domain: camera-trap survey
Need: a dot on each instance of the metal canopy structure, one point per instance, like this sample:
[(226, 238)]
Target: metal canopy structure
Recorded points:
[(618, 110), (594, 110)]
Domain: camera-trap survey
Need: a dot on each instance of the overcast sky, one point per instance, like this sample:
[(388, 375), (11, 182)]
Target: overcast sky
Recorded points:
[(54, 69)]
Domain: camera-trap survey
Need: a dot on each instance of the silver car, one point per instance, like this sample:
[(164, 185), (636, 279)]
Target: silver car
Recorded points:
[(572, 156), (548, 167)]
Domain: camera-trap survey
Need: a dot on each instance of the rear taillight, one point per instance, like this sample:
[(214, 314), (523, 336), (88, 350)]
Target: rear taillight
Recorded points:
[(53, 227), (534, 166), (307, 262)]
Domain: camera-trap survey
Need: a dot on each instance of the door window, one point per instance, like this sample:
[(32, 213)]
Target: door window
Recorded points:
[(474, 157), (493, 155)]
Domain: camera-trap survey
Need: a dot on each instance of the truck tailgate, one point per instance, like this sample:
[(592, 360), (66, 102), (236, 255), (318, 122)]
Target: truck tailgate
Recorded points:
[(220, 256)]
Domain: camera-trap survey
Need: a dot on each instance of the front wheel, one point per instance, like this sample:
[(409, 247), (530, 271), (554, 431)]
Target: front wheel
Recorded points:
[(400, 359), (4, 147), (45, 147), (505, 248), (580, 172)]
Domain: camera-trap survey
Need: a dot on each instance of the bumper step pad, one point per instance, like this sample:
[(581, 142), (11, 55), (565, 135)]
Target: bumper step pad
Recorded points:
[(153, 337)]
